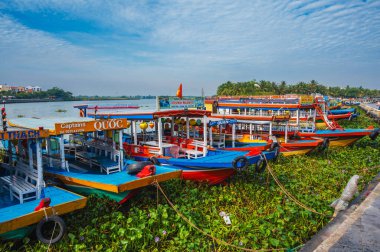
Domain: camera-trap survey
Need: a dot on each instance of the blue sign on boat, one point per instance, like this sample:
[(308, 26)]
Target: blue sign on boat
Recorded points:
[(222, 122), (173, 102)]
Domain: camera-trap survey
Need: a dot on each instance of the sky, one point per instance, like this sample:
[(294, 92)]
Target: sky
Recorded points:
[(149, 47)]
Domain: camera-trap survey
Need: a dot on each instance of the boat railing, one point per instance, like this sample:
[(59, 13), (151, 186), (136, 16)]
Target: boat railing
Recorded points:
[(261, 112)]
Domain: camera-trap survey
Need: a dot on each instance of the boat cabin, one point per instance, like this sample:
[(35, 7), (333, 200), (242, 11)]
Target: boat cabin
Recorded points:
[(86, 155), (22, 185)]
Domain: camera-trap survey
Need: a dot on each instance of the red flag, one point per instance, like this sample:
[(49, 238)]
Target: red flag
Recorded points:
[(179, 91)]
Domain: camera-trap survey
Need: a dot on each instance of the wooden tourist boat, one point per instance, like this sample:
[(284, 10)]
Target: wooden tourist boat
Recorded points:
[(88, 158), (260, 135), (262, 108), (170, 141), (25, 199), (301, 126)]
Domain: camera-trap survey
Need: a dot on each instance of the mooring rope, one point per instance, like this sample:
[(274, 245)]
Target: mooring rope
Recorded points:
[(294, 198), (299, 203), (55, 225), (204, 232)]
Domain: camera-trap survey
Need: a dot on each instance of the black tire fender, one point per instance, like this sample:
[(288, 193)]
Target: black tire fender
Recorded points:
[(154, 160), (276, 152), (242, 160), (137, 167), (60, 224), (374, 134), (261, 165), (326, 143), (273, 146)]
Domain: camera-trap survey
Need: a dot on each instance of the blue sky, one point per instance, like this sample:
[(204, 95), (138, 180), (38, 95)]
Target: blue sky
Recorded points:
[(149, 47)]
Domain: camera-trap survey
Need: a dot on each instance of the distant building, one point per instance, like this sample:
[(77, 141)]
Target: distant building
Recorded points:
[(32, 89), (18, 89), (4, 87)]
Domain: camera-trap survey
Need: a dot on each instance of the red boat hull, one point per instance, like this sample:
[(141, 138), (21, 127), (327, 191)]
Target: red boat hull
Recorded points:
[(212, 177)]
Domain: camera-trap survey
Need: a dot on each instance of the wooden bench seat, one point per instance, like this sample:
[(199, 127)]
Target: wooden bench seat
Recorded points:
[(22, 185)]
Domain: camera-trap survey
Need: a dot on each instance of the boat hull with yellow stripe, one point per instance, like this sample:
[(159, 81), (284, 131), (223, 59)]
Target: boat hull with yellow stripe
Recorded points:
[(341, 137), (19, 216), (115, 186)]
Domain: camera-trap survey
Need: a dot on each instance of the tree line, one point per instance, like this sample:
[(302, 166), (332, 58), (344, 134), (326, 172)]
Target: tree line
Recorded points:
[(53, 93), (263, 87)]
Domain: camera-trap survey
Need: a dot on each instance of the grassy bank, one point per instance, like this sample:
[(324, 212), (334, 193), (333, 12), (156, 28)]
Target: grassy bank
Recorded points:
[(261, 215)]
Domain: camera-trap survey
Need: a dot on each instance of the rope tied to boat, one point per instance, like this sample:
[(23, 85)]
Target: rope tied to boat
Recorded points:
[(155, 183), (55, 225), (294, 199)]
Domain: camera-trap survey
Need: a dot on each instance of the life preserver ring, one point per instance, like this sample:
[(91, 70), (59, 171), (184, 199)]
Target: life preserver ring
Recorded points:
[(374, 134), (325, 144), (137, 167), (240, 162), (59, 224), (260, 165), (154, 160)]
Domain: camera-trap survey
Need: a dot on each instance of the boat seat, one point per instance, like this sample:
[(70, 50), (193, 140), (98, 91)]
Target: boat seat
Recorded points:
[(175, 152), (22, 185), (193, 154), (108, 165)]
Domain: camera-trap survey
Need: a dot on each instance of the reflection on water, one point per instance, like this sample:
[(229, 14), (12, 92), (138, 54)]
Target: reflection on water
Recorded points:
[(49, 109)]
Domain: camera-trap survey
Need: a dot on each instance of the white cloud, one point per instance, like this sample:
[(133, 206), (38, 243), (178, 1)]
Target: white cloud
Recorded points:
[(197, 41)]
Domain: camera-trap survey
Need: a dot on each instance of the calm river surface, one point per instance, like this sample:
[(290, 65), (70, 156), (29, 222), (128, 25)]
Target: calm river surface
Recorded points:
[(49, 109)]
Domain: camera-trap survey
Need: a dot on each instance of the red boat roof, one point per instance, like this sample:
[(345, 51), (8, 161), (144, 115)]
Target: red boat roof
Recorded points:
[(182, 112)]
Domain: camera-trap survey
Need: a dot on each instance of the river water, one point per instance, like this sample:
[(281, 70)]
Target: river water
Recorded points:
[(51, 109)]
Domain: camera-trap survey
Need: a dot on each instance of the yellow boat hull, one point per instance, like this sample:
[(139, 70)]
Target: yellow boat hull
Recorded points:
[(343, 142), (35, 217), (297, 152)]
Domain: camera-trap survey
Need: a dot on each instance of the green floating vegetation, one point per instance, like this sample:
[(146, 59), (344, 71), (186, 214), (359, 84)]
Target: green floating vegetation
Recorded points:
[(20, 116), (61, 111), (261, 214)]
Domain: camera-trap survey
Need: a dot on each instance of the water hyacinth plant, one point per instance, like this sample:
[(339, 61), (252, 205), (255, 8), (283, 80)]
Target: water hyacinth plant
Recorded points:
[(262, 216)]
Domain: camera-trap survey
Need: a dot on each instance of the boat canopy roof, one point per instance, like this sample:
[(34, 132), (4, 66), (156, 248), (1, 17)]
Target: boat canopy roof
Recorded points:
[(214, 121), (46, 123), (151, 115), (69, 125), (182, 113)]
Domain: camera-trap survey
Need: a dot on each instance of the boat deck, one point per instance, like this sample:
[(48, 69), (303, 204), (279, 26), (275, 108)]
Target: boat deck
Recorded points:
[(14, 215), (116, 182)]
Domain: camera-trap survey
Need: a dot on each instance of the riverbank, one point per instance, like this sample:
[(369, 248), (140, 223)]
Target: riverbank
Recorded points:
[(345, 232), (371, 111)]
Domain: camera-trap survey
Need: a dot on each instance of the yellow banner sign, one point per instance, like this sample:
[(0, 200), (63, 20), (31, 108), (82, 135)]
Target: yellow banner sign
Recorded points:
[(281, 117), (23, 134), (90, 126), (307, 99)]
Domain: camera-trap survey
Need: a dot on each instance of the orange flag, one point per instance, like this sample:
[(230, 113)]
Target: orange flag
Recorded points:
[(179, 91)]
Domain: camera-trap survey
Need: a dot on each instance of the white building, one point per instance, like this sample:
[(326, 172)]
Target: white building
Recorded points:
[(33, 89), (4, 87)]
